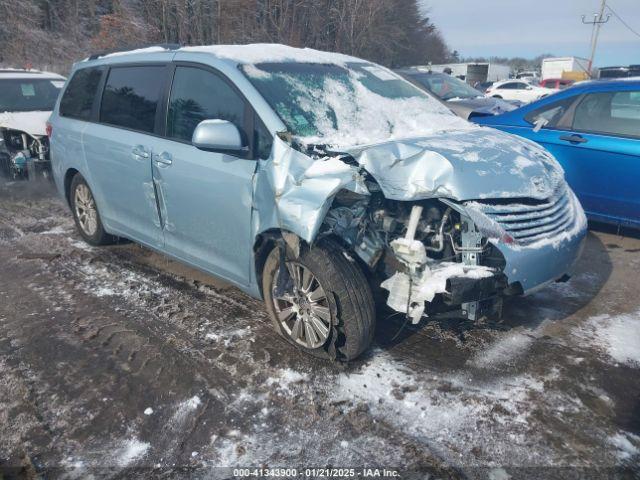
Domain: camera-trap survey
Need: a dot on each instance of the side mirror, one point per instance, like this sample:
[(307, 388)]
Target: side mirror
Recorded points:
[(529, 87), (217, 135)]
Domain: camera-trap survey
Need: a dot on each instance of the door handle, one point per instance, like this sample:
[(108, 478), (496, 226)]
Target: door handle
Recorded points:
[(574, 138), (139, 152), (164, 159)]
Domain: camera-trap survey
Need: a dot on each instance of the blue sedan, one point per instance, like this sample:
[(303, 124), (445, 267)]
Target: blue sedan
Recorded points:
[(593, 129)]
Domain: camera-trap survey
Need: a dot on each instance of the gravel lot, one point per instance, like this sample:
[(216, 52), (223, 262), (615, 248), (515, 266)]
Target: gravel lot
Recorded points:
[(119, 363)]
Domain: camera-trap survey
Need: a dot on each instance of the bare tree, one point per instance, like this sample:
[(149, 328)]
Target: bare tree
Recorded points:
[(43, 32)]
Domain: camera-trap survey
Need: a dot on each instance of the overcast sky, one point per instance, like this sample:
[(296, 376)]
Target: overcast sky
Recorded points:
[(531, 27)]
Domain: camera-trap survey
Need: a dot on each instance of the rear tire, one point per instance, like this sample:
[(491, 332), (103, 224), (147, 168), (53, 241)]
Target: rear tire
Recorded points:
[(86, 215), (346, 295)]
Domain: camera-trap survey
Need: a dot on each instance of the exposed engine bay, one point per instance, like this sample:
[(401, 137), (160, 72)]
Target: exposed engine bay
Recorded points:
[(427, 254), (23, 155)]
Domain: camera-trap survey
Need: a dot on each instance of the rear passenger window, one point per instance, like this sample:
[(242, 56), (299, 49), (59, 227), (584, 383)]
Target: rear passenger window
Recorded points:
[(199, 95), (614, 113), (131, 97), (77, 101)]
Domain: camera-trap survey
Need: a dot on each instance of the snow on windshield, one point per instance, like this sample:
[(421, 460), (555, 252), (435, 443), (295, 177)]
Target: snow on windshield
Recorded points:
[(347, 105)]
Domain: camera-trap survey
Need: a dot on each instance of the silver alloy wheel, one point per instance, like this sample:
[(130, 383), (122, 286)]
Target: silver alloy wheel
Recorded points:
[(86, 211), (303, 311)]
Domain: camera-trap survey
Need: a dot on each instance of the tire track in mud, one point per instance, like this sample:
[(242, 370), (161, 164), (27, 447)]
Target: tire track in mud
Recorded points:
[(104, 353)]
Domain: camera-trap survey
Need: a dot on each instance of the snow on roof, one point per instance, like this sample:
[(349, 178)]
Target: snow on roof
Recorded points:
[(253, 53), (272, 52), (156, 49)]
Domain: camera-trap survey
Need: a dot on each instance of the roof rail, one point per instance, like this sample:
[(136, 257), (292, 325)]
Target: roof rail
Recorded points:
[(167, 46)]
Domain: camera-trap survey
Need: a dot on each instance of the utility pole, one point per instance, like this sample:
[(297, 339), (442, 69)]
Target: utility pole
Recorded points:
[(598, 20)]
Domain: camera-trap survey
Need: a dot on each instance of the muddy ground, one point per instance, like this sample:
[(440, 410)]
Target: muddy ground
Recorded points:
[(118, 363)]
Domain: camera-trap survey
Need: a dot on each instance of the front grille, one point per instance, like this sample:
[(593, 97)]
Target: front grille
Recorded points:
[(530, 220)]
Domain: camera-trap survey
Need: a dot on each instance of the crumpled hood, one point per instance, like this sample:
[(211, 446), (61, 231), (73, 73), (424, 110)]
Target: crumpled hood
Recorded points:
[(293, 191), (33, 123), (461, 165)]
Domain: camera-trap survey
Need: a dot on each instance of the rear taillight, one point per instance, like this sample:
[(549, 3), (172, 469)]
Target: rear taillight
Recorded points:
[(49, 129)]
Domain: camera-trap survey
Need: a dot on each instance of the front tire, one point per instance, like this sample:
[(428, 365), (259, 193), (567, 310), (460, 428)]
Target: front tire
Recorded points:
[(86, 215), (324, 306)]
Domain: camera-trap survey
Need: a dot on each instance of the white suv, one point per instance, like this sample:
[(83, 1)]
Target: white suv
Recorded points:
[(519, 90), (27, 98)]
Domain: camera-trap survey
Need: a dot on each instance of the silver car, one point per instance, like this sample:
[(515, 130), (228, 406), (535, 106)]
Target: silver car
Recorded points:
[(322, 183)]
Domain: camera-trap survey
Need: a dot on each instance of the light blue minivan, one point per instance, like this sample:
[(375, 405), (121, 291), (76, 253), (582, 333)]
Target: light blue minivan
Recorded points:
[(322, 183)]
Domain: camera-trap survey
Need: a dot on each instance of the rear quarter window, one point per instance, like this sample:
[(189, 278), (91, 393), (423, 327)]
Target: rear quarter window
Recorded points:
[(131, 96), (78, 98), (609, 113)]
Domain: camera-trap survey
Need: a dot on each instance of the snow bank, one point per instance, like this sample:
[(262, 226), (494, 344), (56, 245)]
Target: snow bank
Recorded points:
[(625, 449), (190, 404), (131, 451), (286, 378), (616, 336), (451, 413), (503, 351)]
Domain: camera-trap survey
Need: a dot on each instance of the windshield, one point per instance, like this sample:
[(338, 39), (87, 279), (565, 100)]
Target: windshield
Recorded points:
[(445, 87), (354, 104), (28, 95)]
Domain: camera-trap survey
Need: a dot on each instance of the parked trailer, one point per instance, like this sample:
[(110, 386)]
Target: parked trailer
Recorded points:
[(473, 73), (555, 67)]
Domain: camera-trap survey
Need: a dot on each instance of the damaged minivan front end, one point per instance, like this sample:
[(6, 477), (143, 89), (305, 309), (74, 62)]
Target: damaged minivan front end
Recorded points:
[(436, 246), (445, 223)]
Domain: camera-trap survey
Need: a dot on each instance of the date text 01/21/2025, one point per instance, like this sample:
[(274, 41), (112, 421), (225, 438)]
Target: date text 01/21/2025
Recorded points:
[(316, 472)]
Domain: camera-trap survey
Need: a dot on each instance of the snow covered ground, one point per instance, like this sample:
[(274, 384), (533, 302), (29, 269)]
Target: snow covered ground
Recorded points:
[(119, 363)]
